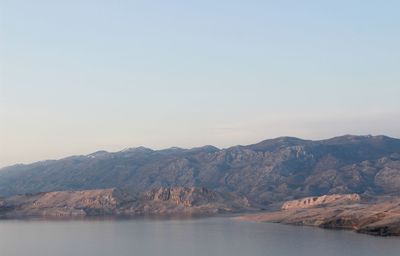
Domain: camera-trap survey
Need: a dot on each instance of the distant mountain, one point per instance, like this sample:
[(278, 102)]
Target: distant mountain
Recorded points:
[(273, 170)]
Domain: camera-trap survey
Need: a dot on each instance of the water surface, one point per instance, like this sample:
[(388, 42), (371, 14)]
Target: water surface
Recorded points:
[(220, 236)]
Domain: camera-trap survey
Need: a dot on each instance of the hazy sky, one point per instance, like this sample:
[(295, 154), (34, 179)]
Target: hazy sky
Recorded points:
[(78, 76)]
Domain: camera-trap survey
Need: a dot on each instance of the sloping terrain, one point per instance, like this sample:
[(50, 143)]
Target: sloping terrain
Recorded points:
[(114, 202), (379, 217), (271, 171)]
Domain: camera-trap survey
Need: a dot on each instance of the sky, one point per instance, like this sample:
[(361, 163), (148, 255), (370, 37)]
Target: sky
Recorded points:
[(80, 76)]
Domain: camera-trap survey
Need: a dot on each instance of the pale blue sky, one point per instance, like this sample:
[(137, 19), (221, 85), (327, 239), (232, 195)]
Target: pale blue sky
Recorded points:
[(78, 76)]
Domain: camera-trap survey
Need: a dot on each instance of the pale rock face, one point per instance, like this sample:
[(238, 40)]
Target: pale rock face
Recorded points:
[(321, 200), (182, 196), (389, 178), (190, 200)]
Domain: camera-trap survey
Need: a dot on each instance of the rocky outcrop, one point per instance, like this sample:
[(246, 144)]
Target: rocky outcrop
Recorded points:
[(114, 202), (190, 200), (378, 217), (186, 197), (309, 202), (67, 203)]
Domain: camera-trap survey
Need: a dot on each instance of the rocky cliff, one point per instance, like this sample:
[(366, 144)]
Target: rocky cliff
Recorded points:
[(309, 202), (191, 200)]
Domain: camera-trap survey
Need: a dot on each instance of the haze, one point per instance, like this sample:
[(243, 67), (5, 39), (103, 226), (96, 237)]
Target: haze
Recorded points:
[(79, 76)]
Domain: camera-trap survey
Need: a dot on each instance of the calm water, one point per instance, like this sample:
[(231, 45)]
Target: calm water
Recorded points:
[(209, 236)]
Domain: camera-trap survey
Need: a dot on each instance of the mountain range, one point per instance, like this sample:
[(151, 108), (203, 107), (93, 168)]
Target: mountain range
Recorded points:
[(274, 170)]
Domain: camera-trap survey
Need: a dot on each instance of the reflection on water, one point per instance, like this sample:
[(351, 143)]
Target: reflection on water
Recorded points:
[(206, 236)]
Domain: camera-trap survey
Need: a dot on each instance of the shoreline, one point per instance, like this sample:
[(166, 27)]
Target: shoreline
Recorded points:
[(379, 228)]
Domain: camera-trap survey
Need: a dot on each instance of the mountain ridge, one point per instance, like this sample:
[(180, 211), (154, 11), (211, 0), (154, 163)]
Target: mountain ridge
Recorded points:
[(144, 148), (279, 169)]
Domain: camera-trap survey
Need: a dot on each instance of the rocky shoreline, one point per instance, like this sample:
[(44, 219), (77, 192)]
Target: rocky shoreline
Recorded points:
[(378, 216), (114, 202)]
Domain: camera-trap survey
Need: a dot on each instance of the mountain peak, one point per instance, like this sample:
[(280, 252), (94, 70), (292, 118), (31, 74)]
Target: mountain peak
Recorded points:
[(98, 153), (206, 148), (272, 144), (136, 150)]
